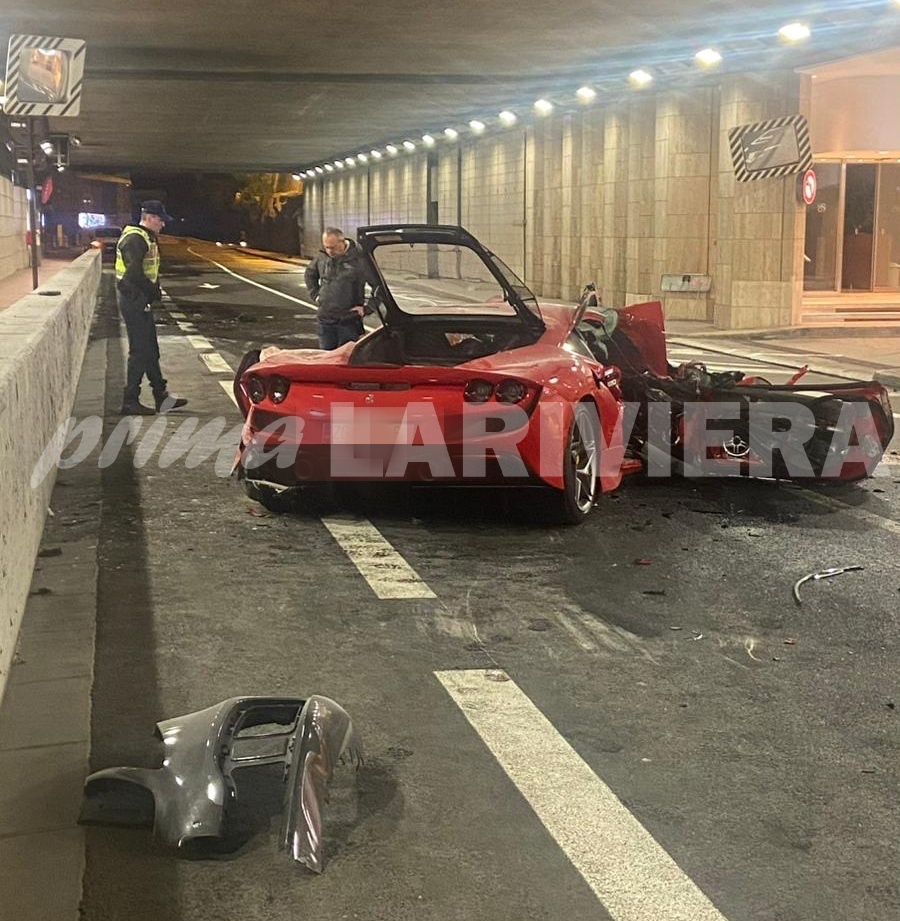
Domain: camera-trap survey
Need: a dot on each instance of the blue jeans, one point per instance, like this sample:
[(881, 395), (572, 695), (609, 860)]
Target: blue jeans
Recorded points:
[(334, 335)]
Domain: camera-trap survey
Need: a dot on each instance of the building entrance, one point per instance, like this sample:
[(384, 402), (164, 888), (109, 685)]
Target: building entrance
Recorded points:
[(853, 228)]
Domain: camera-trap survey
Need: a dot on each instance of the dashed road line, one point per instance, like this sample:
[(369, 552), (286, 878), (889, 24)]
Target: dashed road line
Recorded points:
[(627, 869), (201, 343), (215, 363), (227, 387), (388, 574)]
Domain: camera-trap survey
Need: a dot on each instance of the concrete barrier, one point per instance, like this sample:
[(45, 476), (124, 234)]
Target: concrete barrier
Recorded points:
[(43, 338)]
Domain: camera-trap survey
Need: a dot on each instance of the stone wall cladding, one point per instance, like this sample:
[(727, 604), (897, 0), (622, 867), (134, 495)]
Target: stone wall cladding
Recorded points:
[(42, 345)]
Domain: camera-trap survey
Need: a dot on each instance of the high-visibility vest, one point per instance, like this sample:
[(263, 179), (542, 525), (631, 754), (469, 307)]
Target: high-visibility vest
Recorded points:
[(151, 259)]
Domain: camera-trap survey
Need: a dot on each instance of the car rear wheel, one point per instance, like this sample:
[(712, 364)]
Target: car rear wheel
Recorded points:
[(581, 467)]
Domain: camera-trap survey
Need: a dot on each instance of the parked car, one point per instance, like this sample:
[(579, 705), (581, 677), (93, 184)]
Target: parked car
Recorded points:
[(469, 380), (105, 239)]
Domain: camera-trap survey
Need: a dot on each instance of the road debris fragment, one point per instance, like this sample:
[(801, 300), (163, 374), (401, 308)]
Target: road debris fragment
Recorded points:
[(824, 574)]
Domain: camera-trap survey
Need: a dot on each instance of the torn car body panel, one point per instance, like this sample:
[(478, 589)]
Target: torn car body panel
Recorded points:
[(195, 784)]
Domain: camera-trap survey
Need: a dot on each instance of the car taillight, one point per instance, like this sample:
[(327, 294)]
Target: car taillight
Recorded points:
[(510, 391), (611, 376), (478, 391), (256, 388), (278, 388)]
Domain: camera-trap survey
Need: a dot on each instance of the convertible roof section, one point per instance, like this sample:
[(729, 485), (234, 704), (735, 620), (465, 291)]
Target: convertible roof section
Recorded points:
[(516, 292)]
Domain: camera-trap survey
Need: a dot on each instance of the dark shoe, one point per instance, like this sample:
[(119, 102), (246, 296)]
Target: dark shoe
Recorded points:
[(165, 402), (134, 408)]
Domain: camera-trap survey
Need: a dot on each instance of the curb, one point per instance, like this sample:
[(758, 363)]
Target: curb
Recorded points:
[(889, 379)]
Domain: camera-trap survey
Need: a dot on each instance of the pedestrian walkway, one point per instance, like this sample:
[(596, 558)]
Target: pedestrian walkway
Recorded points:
[(16, 286)]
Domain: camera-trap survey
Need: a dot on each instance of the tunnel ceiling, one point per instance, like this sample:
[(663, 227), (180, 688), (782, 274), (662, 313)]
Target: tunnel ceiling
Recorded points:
[(264, 85)]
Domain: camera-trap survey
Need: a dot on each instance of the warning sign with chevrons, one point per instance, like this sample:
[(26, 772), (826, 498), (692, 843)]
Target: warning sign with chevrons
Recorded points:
[(44, 75), (766, 150)]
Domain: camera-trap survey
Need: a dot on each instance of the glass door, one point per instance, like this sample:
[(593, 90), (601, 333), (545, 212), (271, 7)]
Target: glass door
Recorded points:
[(823, 221), (887, 228), (858, 262)]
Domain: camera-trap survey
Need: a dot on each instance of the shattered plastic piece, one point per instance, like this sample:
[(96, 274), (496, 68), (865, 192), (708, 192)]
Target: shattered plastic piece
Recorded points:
[(824, 574), (643, 561), (194, 787)]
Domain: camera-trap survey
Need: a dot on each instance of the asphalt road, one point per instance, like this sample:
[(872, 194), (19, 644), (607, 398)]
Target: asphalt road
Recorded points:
[(648, 727)]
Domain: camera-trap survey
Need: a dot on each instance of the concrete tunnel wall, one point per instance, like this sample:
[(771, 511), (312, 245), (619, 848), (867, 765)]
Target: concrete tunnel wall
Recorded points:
[(42, 345)]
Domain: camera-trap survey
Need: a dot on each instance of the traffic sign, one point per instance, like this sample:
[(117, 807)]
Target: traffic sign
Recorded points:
[(44, 75), (809, 185)]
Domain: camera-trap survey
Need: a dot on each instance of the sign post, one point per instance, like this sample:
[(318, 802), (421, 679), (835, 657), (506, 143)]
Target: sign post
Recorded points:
[(44, 77)]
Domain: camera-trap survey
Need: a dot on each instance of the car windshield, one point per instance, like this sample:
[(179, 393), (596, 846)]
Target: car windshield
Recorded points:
[(432, 277)]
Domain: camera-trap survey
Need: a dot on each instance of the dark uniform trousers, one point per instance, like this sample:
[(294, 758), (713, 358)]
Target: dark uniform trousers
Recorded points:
[(143, 349)]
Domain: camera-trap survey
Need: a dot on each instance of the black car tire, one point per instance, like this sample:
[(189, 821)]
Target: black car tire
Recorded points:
[(581, 467)]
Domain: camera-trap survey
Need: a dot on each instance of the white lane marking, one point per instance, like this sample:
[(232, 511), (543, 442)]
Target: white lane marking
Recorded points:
[(629, 872), (388, 574), (870, 517), (206, 284), (201, 343), (256, 284), (187, 327), (177, 315), (227, 387), (577, 634), (216, 363)]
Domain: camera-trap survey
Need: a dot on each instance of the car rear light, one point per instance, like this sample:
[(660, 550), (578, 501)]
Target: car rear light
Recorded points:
[(510, 391), (256, 388), (478, 391), (278, 388)]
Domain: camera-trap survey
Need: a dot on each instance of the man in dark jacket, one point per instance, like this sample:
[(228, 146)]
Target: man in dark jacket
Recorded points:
[(137, 290), (336, 280)]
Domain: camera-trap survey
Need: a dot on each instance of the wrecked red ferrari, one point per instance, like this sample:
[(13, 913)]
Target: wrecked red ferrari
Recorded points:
[(469, 380)]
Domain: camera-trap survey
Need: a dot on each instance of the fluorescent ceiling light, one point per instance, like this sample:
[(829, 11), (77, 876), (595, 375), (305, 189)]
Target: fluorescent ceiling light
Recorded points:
[(408, 145), (428, 140), (329, 167), (349, 161), (319, 170), (477, 126), (708, 57), (543, 106), (586, 93), (391, 149), (376, 154), (297, 175), (794, 32), (362, 158), (451, 134), (640, 78), (507, 117)]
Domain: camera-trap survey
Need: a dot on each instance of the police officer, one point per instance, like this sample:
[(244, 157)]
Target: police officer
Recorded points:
[(137, 290)]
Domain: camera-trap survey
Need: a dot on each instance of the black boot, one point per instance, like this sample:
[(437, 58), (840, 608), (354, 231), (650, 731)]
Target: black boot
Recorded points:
[(132, 406), (165, 401)]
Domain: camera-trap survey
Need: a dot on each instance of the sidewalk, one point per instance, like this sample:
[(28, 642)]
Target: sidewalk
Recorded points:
[(17, 285), (870, 353)]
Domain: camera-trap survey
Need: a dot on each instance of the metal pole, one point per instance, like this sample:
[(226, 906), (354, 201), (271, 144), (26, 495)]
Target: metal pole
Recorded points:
[(32, 210)]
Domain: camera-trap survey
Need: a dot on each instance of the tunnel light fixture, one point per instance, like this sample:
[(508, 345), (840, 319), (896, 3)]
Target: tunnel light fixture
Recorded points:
[(22, 161), (428, 140), (376, 154), (319, 170), (508, 118), (794, 32), (543, 106), (339, 164), (329, 167), (477, 126), (586, 94), (640, 78), (362, 158), (47, 147), (297, 176), (392, 150), (75, 141), (408, 145), (451, 134), (708, 57)]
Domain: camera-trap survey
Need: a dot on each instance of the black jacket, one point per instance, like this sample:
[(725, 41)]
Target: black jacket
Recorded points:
[(134, 286), (338, 283)]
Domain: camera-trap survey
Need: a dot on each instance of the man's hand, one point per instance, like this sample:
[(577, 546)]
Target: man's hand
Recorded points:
[(359, 310)]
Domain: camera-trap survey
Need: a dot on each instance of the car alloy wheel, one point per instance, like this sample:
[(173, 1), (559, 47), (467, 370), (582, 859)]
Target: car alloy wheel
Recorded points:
[(583, 456)]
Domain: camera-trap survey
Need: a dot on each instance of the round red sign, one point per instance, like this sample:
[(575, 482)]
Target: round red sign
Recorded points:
[(809, 186)]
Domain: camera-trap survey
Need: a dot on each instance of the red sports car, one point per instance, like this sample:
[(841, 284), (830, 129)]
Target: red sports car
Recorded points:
[(470, 381)]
